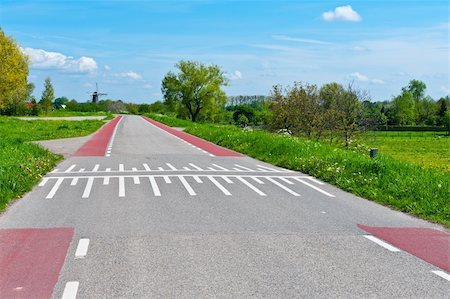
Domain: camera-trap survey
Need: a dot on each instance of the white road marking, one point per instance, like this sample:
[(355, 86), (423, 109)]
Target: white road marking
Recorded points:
[(108, 170), (55, 188), (136, 180), (82, 248), (186, 185), (286, 181), (257, 180), (282, 186), (87, 189), (251, 186), (186, 168), (268, 168), (237, 169), (111, 141), (106, 180), (220, 167), (70, 290), (167, 179), (382, 243), (134, 169), (121, 186), (442, 274), (243, 167), (218, 185), (211, 155), (315, 181), (195, 166), (121, 168), (70, 168), (146, 167), (154, 186), (197, 179), (160, 169), (74, 181), (314, 187), (54, 170), (213, 169), (95, 167), (81, 170), (227, 179), (43, 182), (171, 166)]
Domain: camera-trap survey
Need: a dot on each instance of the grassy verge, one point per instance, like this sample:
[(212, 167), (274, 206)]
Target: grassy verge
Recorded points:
[(23, 163), (400, 185), (66, 113), (426, 149)]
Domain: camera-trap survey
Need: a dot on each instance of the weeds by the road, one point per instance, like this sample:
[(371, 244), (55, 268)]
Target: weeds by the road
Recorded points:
[(403, 186), (23, 163)]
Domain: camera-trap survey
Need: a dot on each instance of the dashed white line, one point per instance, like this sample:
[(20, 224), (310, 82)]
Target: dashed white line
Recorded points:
[(81, 170), (220, 167), (82, 248), (147, 168), (74, 182), (186, 186), (70, 290), (155, 188), (160, 169), (268, 168), (219, 185), (382, 243), (282, 186), (121, 168), (87, 189), (167, 179), (106, 180), (55, 188), (95, 167), (314, 187), (134, 169), (286, 181), (442, 274), (251, 186), (186, 168), (43, 182), (136, 180), (227, 179), (243, 167), (258, 180)]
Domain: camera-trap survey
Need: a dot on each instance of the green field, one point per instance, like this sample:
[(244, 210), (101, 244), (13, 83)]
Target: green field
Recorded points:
[(426, 149), (23, 163), (398, 184)]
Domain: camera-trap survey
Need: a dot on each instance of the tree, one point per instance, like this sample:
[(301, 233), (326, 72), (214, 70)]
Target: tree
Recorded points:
[(416, 88), (47, 96), (196, 87), (13, 73), (404, 108), (60, 103)]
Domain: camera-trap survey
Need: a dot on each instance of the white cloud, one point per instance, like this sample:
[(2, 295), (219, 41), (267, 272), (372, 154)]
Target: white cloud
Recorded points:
[(342, 13), (130, 75), (360, 77), (236, 75), (445, 89), (301, 40), (363, 78), (42, 59)]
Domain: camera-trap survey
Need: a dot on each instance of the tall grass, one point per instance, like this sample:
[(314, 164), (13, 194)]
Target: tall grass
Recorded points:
[(403, 186)]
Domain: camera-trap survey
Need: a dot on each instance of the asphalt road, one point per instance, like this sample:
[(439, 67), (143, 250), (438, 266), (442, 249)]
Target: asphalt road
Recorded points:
[(165, 219)]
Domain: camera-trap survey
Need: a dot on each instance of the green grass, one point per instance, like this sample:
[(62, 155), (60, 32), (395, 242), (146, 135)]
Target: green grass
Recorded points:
[(22, 163), (66, 113), (425, 149), (400, 185)]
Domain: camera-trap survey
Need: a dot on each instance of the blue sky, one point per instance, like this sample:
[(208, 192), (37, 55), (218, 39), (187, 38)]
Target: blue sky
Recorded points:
[(128, 46)]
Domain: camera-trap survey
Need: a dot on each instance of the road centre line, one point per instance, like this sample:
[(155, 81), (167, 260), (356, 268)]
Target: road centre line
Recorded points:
[(442, 274), (82, 248), (219, 185), (87, 189), (251, 186), (382, 243), (70, 290), (314, 187)]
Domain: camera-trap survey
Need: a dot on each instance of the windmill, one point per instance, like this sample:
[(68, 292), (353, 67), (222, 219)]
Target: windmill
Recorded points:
[(96, 94)]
